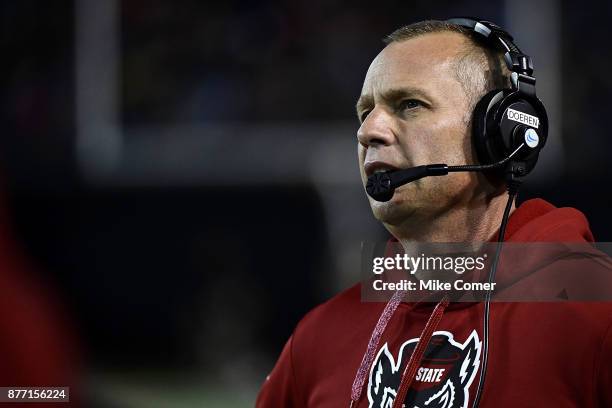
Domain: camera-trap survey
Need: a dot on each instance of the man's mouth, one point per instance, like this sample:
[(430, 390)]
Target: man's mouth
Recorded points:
[(374, 167)]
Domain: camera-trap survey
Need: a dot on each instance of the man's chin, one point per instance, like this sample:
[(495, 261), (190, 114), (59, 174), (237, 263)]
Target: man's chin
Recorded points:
[(393, 212)]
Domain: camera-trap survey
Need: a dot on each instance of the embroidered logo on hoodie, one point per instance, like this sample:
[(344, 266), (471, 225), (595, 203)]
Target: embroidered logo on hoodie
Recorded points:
[(442, 380)]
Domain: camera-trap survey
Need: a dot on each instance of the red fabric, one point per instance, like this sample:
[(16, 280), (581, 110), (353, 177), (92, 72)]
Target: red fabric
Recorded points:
[(38, 345), (540, 354)]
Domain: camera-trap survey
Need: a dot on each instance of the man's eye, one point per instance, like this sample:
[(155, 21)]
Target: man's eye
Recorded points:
[(363, 115), (409, 104)]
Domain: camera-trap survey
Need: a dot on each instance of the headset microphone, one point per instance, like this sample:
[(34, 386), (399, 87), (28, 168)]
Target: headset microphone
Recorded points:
[(381, 186)]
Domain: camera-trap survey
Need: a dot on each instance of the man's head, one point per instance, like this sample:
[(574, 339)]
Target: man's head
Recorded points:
[(415, 108)]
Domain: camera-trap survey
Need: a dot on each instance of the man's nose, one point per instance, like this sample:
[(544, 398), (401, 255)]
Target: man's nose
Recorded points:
[(376, 129)]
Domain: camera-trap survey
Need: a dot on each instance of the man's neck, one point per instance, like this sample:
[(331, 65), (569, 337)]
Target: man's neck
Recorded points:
[(478, 222)]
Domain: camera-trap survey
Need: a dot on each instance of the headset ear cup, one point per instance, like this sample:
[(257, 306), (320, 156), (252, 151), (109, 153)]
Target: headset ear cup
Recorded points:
[(481, 129), (494, 130)]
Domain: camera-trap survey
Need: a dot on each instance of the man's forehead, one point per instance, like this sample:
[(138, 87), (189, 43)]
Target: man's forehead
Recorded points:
[(412, 61)]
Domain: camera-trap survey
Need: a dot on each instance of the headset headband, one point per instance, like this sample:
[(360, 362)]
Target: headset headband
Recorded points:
[(518, 63)]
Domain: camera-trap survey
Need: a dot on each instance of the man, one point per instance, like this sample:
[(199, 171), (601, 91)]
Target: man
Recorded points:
[(415, 108)]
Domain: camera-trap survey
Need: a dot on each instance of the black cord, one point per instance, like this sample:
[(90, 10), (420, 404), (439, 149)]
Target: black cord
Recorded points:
[(513, 187)]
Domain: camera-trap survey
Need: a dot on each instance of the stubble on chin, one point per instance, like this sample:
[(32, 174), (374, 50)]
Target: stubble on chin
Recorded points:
[(393, 214)]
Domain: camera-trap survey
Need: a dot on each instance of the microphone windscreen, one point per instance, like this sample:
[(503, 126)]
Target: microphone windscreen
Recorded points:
[(379, 187)]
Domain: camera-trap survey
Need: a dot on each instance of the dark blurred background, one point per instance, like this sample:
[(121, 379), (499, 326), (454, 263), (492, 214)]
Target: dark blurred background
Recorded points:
[(180, 183)]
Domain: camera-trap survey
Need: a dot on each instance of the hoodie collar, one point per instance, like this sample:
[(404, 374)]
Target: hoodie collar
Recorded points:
[(539, 221), (535, 220)]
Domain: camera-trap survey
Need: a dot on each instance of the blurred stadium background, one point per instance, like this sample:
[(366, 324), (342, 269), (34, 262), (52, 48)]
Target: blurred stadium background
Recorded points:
[(180, 183)]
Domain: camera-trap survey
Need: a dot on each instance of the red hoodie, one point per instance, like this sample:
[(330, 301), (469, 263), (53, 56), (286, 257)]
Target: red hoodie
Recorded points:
[(540, 354)]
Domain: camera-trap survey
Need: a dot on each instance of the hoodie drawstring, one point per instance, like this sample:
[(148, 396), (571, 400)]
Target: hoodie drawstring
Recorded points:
[(368, 357), (415, 358)]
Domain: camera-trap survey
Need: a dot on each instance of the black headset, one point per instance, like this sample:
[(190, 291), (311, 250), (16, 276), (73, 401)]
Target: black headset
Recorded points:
[(509, 126), (505, 118)]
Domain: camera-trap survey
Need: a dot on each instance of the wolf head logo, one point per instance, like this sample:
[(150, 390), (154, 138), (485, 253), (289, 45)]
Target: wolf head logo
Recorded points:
[(442, 380)]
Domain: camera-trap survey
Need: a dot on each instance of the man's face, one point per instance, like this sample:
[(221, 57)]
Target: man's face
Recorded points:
[(414, 111)]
